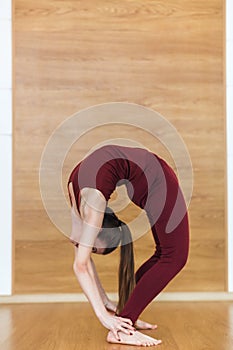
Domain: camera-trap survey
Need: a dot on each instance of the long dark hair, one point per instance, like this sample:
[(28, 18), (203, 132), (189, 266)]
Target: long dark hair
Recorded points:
[(119, 234)]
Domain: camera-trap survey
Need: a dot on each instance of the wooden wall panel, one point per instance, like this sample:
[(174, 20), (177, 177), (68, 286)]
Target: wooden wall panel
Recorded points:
[(70, 55)]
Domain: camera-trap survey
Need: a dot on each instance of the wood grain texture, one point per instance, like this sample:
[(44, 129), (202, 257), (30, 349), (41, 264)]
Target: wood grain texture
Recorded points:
[(75, 326), (167, 56)]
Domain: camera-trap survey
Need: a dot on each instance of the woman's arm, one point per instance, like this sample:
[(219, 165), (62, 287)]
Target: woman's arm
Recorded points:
[(86, 278), (92, 217), (93, 212), (109, 305)]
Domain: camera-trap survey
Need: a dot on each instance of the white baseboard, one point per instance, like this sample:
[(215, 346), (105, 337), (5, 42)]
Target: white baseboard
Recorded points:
[(79, 297)]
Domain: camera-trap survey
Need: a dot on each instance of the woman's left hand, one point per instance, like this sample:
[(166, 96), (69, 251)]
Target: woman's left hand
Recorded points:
[(139, 324), (111, 306)]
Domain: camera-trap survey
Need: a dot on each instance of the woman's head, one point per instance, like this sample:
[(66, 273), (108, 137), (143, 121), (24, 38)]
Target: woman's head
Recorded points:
[(114, 233)]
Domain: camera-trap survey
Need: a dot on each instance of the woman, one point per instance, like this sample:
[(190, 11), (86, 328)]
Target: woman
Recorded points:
[(153, 186)]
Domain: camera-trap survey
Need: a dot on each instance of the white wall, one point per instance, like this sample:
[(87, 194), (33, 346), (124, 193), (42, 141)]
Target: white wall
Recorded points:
[(229, 83), (5, 148)]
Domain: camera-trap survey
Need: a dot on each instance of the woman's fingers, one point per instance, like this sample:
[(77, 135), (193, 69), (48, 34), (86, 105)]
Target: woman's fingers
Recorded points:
[(127, 323), (125, 330), (127, 320), (115, 332), (122, 329), (125, 327), (118, 324)]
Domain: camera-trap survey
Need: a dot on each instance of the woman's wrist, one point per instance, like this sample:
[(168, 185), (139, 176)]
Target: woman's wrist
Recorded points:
[(109, 305), (102, 316), (106, 302)]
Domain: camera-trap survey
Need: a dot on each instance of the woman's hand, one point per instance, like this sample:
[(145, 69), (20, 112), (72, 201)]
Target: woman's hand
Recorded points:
[(139, 324), (111, 306), (117, 324)]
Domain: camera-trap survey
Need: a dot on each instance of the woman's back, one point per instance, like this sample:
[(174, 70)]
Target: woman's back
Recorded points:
[(112, 165)]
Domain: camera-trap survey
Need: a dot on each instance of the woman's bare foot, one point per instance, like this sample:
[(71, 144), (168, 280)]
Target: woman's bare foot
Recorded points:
[(144, 325), (137, 338)]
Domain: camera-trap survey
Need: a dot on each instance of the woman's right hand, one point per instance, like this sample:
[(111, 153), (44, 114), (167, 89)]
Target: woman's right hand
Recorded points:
[(117, 324)]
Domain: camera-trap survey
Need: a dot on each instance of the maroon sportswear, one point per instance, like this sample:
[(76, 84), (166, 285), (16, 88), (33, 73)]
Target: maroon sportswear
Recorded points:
[(153, 186)]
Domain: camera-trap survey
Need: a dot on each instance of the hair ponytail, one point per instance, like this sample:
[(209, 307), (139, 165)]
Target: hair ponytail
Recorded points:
[(119, 234), (126, 282)]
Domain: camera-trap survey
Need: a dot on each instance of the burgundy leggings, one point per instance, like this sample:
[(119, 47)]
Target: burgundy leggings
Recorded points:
[(169, 258)]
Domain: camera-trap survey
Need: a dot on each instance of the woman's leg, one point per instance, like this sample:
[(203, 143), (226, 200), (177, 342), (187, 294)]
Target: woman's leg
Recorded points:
[(158, 272), (172, 247), (151, 261), (145, 267)]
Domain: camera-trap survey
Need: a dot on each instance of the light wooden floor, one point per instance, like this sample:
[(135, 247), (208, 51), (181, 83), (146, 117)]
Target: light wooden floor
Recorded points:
[(181, 326)]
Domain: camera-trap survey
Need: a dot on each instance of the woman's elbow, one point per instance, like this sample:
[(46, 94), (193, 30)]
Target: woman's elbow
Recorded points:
[(79, 267)]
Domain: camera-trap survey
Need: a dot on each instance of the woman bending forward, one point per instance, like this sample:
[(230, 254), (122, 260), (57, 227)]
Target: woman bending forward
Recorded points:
[(153, 186)]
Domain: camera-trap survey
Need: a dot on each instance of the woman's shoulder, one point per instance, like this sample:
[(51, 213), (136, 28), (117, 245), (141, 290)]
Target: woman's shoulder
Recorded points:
[(92, 198)]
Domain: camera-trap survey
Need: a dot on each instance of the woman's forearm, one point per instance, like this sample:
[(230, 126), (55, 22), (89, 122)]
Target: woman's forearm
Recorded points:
[(88, 284), (111, 306), (112, 322), (102, 292)]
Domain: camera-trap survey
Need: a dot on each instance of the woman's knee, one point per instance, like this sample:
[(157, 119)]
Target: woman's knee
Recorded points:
[(180, 251), (180, 259), (175, 257)]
